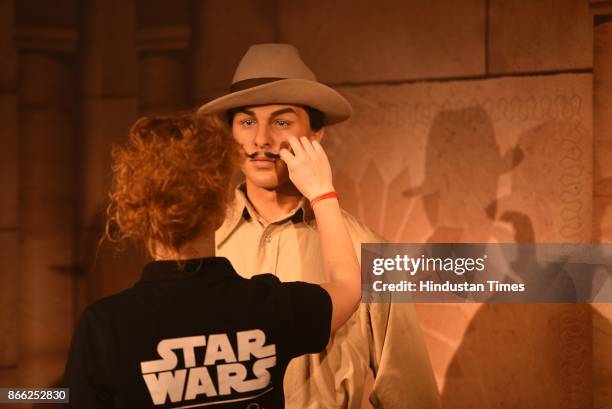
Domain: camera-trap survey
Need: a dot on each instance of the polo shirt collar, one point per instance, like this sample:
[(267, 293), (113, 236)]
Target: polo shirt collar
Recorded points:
[(242, 210), (209, 267)]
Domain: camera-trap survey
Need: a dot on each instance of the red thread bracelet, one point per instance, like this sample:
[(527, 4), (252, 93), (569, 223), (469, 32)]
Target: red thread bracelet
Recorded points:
[(324, 196)]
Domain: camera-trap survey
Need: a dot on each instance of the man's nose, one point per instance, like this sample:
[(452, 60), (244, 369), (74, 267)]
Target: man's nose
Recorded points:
[(263, 137)]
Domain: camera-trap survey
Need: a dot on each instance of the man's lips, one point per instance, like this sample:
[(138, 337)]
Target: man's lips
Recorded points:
[(263, 163)]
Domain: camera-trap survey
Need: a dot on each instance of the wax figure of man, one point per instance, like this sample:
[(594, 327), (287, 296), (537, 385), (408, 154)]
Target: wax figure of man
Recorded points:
[(271, 229)]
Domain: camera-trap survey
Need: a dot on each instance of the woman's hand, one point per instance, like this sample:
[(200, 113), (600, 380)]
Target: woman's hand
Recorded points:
[(308, 166)]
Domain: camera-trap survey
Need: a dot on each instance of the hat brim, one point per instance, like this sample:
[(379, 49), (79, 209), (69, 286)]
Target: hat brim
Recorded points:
[(288, 91)]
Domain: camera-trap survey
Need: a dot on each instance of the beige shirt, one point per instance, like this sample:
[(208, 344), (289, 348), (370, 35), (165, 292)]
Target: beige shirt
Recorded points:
[(385, 337)]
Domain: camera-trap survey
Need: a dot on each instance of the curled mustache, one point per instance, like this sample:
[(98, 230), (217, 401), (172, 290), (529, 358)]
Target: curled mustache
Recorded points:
[(267, 154)]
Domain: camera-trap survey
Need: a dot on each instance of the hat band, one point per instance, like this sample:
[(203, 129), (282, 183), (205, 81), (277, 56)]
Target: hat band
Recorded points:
[(253, 82)]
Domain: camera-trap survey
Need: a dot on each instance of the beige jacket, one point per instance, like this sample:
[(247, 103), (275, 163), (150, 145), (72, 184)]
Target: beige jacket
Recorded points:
[(385, 337)]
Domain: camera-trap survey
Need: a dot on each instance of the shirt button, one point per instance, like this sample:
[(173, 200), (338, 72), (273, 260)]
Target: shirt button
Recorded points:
[(268, 239)]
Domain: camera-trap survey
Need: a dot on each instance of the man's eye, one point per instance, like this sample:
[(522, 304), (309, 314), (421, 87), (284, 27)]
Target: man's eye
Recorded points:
[(247, 122), (282, 122)]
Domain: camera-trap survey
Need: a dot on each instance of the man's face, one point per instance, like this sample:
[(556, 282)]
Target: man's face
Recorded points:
[(267, 129)]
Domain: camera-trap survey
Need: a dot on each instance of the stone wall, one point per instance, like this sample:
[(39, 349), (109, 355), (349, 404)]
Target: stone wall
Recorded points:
[(479, 120)]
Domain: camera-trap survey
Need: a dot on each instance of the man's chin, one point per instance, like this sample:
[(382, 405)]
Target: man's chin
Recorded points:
[(270, 183)]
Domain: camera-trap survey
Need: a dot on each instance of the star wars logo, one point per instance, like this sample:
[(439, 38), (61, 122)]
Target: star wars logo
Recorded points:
[(222, 370)]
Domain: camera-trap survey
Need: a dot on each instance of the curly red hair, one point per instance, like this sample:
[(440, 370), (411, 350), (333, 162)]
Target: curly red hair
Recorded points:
[(171, 180)]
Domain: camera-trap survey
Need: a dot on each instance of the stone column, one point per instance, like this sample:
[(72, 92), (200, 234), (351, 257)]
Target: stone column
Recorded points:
[(9, 223), (47, 188), (109, 105), (163, 63)]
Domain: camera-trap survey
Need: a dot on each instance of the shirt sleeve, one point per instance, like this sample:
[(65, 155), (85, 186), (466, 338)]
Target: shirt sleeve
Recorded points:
[(397, 350), (87, 369), (309, 322)]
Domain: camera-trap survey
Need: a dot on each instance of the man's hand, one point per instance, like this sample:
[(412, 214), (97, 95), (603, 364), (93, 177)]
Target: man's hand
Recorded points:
[(308, 166)]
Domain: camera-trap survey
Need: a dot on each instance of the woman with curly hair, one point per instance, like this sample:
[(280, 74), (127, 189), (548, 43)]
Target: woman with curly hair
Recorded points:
[(192, 332)]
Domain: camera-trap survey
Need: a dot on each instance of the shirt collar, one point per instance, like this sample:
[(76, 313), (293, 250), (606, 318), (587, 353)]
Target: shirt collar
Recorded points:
[(242, 210), (209, 267)]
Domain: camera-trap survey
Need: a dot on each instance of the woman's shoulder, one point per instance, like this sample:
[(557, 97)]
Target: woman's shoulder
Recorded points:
[(108, 306)]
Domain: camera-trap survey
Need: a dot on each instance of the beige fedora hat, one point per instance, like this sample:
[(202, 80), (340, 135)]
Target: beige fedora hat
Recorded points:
[(275, 74)]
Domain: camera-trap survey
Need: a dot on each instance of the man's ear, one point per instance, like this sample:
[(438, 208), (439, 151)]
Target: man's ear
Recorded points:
[(318, 135)]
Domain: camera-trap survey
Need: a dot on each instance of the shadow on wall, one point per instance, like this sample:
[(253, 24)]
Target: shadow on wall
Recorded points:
[(523, 356), (463, 164), (511, 355)]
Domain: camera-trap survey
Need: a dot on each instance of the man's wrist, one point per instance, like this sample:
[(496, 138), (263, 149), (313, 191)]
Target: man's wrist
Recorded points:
[(327, 195), (319, 192)]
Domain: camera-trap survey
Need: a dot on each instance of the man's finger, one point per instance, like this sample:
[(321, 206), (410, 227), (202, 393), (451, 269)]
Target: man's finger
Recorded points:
[(285, 145), (307, 146), (298, 150), (286, 156), (316, 145)]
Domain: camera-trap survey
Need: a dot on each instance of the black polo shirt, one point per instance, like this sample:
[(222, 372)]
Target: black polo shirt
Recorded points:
[(195, 336)]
